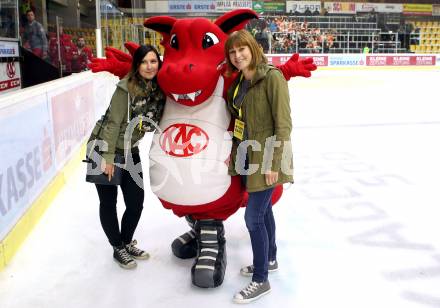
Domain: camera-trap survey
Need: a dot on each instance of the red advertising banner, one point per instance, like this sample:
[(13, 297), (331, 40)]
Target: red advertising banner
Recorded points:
[(9, 84), (401, 60), (73, 117), (320, 60), (279, 60)]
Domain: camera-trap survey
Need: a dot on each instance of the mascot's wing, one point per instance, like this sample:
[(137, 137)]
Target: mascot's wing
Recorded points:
[(297, 67), (116, 62), (131, 47), (111, 63)]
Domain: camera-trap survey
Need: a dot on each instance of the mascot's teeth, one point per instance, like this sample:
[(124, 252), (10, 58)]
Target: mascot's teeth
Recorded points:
[(192, 96)]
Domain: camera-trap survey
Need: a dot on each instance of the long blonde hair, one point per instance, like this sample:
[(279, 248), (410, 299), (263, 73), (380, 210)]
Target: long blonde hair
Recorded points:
[(244, 38)]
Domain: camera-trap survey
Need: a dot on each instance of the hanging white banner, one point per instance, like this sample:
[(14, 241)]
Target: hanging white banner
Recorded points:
[(340, 7), (301, 6), (379, 7), (436, 10), (156, 7), (196, 6), (228, 5)]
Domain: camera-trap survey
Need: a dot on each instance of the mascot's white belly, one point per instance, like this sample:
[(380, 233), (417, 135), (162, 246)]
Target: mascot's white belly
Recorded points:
[(187, 157)]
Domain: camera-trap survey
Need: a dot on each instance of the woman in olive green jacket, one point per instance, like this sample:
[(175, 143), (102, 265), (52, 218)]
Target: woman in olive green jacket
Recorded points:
[(261, 151), (136, 97)]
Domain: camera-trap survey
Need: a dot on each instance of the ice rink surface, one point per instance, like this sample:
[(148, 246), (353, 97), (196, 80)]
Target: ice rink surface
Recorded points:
[(359, 229)]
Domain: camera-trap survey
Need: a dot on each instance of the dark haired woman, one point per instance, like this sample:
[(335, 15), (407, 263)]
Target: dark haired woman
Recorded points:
[(136, 98)]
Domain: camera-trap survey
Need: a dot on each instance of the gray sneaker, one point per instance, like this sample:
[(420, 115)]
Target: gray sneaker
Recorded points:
[(121, 256), (249, 270), (252, 292), (135, 252)]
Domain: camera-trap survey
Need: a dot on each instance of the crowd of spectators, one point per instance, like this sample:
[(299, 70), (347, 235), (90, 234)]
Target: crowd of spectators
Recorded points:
[(73, 57), (284, 34), (59, 50)]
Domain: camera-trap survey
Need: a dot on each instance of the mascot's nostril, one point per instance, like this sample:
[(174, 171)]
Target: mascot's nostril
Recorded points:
[(187, 68)]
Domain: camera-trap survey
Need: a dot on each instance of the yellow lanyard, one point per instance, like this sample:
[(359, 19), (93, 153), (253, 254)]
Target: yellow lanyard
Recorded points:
[(238, 125), (235, 95)]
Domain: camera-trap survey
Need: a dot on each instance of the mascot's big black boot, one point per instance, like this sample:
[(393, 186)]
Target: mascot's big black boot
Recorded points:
[(185, 246), (209, 267)]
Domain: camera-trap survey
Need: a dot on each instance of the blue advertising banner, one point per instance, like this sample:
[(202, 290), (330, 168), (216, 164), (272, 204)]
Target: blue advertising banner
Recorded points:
[(347, 60), (26, 149)]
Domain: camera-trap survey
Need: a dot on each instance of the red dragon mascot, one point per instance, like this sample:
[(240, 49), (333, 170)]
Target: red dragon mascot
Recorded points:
[(190, 152)]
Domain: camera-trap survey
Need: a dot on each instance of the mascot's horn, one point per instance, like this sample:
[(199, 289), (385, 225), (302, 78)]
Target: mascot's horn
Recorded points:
[(235, 20), (229, 22)]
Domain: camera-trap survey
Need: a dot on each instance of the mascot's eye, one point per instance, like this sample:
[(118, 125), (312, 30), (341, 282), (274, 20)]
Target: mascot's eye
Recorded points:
[(173, 42), (209, 40)]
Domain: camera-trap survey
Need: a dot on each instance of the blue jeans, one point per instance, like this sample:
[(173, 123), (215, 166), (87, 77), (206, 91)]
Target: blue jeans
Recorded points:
[(261, 226)]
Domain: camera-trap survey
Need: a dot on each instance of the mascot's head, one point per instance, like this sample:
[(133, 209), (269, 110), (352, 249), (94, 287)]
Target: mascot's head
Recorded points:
[(194, 53)]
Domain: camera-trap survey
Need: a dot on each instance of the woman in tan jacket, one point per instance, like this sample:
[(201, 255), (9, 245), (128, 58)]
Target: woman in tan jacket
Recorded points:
[(261, 152)]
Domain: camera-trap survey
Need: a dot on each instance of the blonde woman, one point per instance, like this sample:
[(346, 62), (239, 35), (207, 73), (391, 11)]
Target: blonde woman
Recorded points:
[(261, 152)]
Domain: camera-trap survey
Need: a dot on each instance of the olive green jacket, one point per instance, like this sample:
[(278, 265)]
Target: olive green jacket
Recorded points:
[(121, 111), (266, 113)]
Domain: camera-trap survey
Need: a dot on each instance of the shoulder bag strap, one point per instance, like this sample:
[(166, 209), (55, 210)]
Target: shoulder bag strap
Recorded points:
[(104, 120)]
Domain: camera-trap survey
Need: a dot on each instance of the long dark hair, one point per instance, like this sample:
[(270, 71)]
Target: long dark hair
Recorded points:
[(133, 76)]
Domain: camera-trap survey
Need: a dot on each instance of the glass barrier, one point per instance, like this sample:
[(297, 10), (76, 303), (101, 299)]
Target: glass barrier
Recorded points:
[(63, 32), (120, 25), (71, 35), (8, 19), (60, 32)]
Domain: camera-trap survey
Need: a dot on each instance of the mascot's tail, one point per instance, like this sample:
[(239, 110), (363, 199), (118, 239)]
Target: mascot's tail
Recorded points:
[(276, 195)]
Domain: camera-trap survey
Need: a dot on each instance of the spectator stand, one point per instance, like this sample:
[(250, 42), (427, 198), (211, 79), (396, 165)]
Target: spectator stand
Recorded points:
[(425, 37), (87, 33), (329, 34)]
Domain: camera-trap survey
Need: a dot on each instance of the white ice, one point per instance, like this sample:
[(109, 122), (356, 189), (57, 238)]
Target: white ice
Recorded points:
[(359, 228)]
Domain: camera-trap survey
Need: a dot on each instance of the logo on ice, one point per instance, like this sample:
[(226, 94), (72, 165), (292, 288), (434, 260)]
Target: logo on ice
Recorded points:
[(183, 140)]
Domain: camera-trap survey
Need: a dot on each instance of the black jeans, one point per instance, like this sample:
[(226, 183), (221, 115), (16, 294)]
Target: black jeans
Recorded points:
[(134, 200)]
